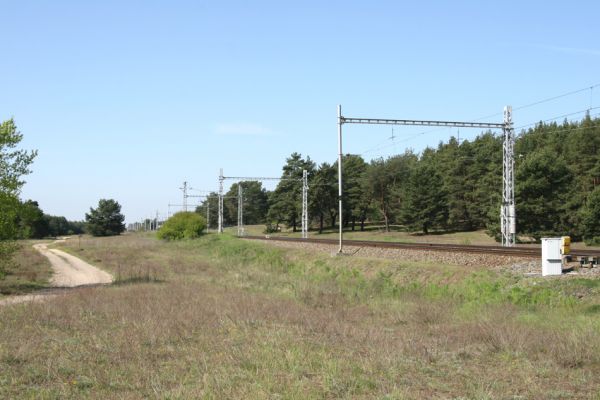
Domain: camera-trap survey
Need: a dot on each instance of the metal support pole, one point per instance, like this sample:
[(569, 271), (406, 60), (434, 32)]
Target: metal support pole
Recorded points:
[(184, 188), (507, 212), (304, 204), (240, 211), (220, 228), (340, 175)]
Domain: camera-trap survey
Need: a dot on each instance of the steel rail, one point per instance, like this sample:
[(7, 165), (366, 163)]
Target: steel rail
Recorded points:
[(527, 252)]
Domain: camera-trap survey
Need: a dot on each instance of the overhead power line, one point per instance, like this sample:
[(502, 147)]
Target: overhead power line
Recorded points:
[(521, 107), (557, 117)]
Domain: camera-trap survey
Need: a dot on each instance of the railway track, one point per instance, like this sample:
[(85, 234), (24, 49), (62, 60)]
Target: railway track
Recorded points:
[(526, 252)]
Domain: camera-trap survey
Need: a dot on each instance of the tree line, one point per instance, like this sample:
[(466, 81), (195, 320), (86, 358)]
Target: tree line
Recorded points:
[(25, 219), (456, 186), (33, 223)]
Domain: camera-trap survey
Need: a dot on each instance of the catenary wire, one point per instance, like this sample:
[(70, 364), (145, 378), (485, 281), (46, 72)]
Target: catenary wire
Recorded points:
[(590, 88)]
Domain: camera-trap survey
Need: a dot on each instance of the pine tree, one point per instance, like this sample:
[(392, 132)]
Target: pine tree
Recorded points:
[(106, 219)]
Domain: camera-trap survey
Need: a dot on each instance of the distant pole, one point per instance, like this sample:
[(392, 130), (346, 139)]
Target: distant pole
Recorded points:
[(221, 201), (207, 214), (304, 204), (184, 188), (507, 213), (340, 175), (240, 210)]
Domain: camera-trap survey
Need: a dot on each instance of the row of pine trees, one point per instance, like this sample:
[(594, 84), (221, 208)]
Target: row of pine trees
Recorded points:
[(454, 187)]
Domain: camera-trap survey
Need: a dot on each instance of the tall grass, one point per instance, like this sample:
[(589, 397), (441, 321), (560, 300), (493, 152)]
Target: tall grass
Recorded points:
[(27, 271), (232, 319)]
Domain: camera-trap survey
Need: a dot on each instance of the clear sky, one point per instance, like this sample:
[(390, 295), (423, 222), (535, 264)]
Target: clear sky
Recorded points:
[(127, 99)]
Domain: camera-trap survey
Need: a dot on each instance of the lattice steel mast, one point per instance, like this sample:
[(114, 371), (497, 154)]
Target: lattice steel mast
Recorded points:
[(304, 181), (221, 178), (507, 213), (304, 204), (185, 195), (240, 211), (508, 217)]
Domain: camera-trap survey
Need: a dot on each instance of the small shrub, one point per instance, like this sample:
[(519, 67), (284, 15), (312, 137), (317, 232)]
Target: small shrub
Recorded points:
[(593, 241), (183, 225), (270, 228)]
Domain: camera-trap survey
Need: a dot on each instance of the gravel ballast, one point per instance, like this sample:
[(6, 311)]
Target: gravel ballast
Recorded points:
[(514, 264)]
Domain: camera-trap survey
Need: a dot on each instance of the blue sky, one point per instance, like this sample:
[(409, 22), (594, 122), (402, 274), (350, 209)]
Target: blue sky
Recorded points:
[(127, 99)]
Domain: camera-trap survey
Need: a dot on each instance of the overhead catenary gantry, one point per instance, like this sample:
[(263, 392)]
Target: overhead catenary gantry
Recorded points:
[(185, 188), (222, 178), (507, 212)]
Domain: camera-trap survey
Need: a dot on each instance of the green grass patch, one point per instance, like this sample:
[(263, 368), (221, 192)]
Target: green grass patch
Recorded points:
[(30, 271), (240, 319)]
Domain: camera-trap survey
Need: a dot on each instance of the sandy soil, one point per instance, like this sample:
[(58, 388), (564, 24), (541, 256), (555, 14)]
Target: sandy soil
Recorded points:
[(69, 272)]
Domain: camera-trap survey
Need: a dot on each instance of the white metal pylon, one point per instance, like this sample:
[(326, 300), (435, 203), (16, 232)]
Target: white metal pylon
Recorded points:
[(220, 228), (507, 213), (185, 196), (240, 211), (304, 204), (207, 214)]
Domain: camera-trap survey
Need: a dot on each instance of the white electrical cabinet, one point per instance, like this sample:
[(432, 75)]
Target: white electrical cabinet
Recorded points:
[(551, 257)]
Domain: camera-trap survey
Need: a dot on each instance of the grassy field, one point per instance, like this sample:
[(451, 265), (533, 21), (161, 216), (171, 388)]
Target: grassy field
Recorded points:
[(30, 271), (395, 235), (220, 317), (475, 237)]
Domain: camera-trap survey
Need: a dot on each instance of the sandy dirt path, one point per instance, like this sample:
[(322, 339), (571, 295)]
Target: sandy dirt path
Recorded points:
[(69, 272)]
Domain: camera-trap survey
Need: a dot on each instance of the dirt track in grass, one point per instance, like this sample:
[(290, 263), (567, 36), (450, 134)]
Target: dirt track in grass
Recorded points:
[(69, 272)]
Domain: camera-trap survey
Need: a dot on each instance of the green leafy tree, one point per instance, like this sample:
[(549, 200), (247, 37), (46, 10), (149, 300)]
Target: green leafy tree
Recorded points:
[(212, 203), (355, 197), (385, 180), (425, 206), (33, 224), (381, 187), (483, 186), (255, 203), (591, 218), (542, 183), (58, 226), (182, 225), (323, 193), (106, 219), (286, 200), (14, 164)]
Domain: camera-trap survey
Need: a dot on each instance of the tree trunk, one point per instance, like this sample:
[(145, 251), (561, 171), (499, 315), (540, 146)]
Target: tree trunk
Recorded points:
[(362, 224), (333, 217), (387, 222), (321, 218), (353, 223)]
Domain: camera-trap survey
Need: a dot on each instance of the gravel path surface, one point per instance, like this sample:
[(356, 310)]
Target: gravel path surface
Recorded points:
[(69, 272)]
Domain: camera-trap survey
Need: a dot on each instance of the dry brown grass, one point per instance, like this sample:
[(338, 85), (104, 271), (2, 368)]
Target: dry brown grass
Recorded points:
[(31, 271), (213, 327)]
